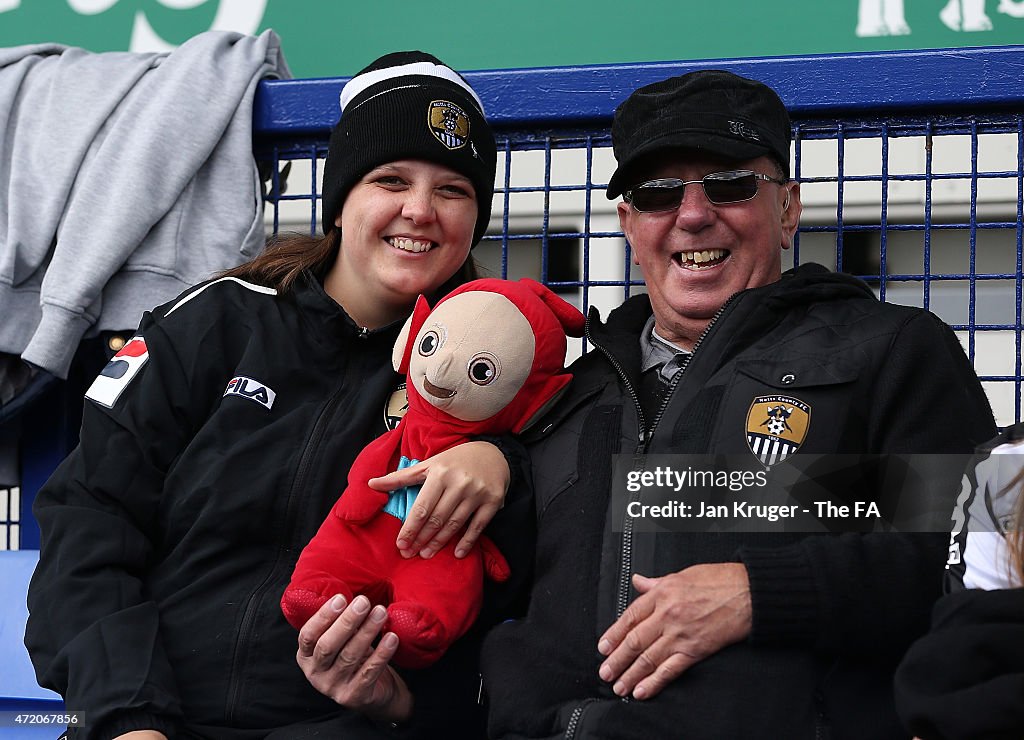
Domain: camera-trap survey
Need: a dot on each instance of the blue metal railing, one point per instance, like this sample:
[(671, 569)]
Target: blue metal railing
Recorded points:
[(929, 231), (968, 79), (935, 100)]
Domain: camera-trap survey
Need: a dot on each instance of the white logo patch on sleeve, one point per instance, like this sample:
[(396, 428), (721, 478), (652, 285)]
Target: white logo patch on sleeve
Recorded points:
[(118, 373), (254, 390)]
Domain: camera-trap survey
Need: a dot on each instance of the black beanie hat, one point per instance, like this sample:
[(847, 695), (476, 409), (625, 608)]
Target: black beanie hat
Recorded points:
[(409, 105)]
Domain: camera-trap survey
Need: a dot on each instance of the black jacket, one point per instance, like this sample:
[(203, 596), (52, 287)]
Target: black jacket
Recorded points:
[(964, 680), (169, 534), (832, 613)]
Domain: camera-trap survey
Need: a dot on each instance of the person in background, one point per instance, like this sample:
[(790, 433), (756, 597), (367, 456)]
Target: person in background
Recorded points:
[(216, 441), (635, 632), (965, 678)]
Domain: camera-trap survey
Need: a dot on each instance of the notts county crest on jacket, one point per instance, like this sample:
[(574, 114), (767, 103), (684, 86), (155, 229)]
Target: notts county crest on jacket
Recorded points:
[(448, 123), (776, 427), (395, 408)]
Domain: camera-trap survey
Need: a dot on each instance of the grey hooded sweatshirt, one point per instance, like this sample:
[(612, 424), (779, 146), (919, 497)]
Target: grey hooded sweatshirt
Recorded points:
[(124, 178)]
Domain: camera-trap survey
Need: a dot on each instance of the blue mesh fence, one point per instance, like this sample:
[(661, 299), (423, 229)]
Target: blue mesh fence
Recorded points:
[(910, 166)]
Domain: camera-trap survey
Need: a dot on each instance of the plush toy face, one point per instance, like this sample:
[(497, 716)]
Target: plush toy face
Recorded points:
[(462, 365)]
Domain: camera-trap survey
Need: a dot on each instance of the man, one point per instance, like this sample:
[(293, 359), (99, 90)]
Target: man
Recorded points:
[(636, 634)]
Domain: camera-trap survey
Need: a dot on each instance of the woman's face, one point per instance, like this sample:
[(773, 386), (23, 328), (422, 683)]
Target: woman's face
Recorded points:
[(406, 228)]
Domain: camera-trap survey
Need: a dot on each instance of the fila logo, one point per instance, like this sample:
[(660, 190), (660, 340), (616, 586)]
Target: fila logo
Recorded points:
[(254, 390)]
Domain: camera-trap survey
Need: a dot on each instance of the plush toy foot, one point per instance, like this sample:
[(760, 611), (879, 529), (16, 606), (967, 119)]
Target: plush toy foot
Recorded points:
[(301, 603), (422, 638)]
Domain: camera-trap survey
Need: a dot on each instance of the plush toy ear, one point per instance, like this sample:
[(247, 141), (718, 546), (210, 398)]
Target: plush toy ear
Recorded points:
[(568, 315), (403, 345)]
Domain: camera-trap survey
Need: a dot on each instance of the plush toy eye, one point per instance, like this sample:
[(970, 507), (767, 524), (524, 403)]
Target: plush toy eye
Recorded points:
[(484, 369), (429, 344)]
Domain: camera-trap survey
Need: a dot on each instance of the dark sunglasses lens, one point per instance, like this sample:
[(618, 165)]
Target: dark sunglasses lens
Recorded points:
[(651, 198), (732, 189)]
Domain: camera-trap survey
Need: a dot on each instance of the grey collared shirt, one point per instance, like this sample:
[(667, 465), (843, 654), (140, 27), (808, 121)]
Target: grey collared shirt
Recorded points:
[(656, 351)]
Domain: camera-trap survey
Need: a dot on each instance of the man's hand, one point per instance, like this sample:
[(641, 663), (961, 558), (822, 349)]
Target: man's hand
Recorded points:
[(464, 485), (677, 621), (337, 655)]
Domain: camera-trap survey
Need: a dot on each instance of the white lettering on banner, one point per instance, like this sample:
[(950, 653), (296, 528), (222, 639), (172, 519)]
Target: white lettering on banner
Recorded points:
[(965, 15), (6, 5), (144, 38), (181, 4), (1013, 8), (91, 7), (886, 17), (881, 18), (243, 16)]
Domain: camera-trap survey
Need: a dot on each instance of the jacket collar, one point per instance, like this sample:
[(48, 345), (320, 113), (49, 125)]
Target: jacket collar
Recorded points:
[(753, 308), (330, 320)]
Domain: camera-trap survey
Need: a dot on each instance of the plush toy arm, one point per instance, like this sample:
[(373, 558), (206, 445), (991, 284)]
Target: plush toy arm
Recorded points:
[(359, 502), (495, 565), (572, 321)]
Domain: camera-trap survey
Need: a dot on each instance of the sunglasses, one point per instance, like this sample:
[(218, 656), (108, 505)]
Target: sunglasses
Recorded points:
[(721, 188)]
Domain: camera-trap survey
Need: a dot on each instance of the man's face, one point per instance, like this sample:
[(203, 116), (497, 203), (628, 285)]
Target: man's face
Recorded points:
[(738, 245)]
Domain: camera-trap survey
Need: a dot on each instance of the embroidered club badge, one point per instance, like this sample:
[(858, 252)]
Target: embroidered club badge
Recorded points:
[(776, 427), (448, 123), (395, 408)]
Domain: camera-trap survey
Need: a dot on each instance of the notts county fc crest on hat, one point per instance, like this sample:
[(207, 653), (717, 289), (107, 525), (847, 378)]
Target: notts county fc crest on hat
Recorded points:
[(448, 123), (776, 427)]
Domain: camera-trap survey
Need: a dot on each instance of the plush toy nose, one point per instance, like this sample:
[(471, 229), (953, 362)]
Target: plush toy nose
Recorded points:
[(440, 366), (435, 390)]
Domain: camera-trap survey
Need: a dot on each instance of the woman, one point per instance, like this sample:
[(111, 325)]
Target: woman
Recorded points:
[(965, 678), (218, 438)]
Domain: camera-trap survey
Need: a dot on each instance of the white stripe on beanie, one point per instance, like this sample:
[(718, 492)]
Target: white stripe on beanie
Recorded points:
[(360, 82)]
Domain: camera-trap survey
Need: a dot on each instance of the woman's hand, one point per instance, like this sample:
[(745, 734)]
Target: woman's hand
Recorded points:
[(337, 655), (462, 487)]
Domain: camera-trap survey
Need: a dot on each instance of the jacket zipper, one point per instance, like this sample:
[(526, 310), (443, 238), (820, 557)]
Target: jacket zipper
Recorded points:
[(643, 440), (626, 560), (248, 617), (821, 731), (627, 524), (625, 378), (575, 717)]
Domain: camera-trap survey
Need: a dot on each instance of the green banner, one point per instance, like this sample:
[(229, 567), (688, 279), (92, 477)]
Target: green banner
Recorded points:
[(331, 38)]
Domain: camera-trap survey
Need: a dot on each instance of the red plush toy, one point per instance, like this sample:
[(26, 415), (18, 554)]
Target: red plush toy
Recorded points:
[(486, 360)]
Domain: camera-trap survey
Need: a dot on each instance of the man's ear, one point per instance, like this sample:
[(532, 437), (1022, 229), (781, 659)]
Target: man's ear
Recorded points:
[(790, 215), (626, 212)]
